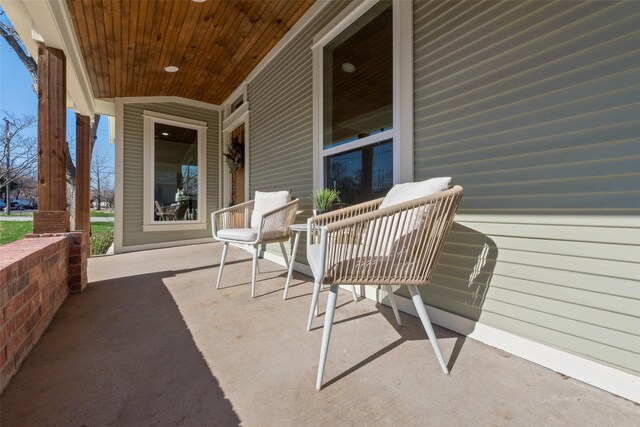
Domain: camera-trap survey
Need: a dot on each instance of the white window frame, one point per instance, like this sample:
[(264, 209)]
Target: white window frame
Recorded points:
[(231, 122), (149, 222), (402, 132)]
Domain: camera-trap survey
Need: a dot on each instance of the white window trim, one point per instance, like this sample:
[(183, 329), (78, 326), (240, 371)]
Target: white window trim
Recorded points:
[(402, 133), (240, 91), (229, 127), (149, 224)]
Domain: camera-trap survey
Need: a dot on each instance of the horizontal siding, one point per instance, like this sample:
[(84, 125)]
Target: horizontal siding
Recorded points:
[(534, 108), (133, 174), (281, 124)]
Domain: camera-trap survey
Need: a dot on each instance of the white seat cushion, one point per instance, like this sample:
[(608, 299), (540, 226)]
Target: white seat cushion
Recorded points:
[(238, 234), (265, 202), (401, 224)]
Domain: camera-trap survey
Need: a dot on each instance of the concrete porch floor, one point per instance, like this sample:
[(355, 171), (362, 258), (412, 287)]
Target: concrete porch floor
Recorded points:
[(151, 342)]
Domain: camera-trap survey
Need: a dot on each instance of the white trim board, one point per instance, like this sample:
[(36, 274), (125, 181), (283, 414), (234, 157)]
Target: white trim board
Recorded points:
[(161, 245), (119, 177), (588, 371), (176, 99), (596, 374)]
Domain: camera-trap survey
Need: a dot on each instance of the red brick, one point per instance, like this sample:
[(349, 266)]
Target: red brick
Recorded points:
[(16, 341), (8, 328)]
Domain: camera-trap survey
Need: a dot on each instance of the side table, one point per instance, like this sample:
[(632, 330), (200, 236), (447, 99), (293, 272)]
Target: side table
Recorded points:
[(296, 229)]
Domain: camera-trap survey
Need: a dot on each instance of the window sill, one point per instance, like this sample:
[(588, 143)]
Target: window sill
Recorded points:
[(175, 227)]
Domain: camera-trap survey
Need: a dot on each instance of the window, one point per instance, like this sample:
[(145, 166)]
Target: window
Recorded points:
[(361, 174), (363, 101), (175, 173)]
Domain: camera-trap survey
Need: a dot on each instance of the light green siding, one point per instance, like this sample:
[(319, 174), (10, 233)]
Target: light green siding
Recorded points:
[(534, 108), (281, 138), (133, 174)]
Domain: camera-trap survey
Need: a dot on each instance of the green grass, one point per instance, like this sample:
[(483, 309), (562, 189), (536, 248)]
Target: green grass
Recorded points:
[(101, 237), (101, 234), (10, 231), (101, 214)]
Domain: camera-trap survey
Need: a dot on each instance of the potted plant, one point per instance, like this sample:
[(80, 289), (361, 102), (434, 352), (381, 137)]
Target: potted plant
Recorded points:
[(323, 200)]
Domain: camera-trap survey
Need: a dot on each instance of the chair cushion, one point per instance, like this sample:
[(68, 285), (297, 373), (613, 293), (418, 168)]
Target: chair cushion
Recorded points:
[(265, 202), (238, 234), (401, 193), (401, 224)]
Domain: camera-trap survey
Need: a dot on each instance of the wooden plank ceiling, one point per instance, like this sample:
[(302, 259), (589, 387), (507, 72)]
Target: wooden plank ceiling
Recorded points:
[(216, 43)]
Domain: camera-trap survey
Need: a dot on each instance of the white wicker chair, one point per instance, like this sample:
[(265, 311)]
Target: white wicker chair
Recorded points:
[(234, 225), (396, 245)]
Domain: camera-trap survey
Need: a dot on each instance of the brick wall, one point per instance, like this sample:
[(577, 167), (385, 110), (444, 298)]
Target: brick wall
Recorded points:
[(36, 275)]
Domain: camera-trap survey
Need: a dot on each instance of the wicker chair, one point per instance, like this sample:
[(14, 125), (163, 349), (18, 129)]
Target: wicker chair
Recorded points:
[(395, 245), (241, 224)]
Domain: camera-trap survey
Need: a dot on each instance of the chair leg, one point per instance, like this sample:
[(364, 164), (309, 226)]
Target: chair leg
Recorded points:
[(394, 303), (253, 271), (426, 323), (314, 304), (224, 256), (326, 333), (284, 254), (291, 263), (353, 292)]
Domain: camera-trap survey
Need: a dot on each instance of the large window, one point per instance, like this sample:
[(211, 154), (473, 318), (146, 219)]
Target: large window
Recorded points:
[(358, 103), (174, 172)]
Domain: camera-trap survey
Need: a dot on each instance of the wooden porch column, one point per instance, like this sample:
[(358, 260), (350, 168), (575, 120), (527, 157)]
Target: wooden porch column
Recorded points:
[(52, 215), (83, 163)]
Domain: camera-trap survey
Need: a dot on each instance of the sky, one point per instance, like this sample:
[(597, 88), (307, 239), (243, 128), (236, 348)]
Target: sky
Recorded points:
[(17, 98)]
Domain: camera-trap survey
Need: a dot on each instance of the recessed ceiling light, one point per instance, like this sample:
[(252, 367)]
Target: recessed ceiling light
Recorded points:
[(165, 133), (199, 1), (348, 67), (171, 69)]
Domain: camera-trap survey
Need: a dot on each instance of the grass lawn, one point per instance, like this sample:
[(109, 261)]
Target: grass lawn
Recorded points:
[(101, 234), (10, 231), (101, 214)]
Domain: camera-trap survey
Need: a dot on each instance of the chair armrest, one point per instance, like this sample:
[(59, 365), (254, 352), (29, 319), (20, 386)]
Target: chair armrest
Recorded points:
[(237, 216)]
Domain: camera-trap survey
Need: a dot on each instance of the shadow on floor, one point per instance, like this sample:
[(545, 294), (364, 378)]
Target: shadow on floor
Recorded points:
[(119, 353)]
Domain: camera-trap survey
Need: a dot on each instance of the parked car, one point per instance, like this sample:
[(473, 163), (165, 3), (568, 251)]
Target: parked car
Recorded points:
[(2, 204), (20, 204)]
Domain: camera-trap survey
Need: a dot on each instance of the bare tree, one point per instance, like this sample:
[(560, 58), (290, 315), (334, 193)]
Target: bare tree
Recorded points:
[(101, 173), (13, 39), (19, 157)]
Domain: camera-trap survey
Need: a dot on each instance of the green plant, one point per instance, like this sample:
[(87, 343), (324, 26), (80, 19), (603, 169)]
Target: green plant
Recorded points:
[(324, 198), (234, 155), (101, 241), (10, 231)]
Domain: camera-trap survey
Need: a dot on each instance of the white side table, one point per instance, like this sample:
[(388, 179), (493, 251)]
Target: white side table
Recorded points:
[(296, 229)]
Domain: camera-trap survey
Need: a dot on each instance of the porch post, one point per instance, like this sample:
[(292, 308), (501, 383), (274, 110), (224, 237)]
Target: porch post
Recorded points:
[(83, 162), (52, 215)]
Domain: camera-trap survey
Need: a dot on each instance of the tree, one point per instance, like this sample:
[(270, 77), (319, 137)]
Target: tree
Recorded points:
[(13, 39), (19, 157), (101, 184)]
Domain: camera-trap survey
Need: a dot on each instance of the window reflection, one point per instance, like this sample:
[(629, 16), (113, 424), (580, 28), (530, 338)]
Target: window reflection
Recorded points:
[(362, 174), (176, 173), (358, 79)]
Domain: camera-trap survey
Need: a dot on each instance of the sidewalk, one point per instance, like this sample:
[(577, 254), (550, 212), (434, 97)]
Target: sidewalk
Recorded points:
[(22, 217)]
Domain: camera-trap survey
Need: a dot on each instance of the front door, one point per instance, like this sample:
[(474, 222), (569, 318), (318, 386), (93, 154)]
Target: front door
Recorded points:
[(237, 178)]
